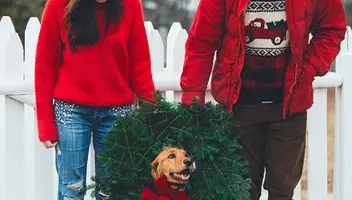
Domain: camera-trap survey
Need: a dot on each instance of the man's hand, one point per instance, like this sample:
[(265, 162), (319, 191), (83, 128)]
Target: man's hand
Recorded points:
[(49, 144)]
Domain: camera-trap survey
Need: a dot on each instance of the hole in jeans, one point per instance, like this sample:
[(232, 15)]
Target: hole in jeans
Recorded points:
[(104, 195), (58, 151), (76, 186), (73, 198)]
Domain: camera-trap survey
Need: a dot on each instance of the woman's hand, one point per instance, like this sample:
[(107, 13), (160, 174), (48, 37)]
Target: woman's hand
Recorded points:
[(49, 144)]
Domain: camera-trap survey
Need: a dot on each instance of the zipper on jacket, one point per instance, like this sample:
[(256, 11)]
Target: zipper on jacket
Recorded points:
[(297, 81), (291, 95), (230, 97)]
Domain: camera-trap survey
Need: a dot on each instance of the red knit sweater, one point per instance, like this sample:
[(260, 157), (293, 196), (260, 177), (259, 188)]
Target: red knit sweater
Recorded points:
[(109, 73)]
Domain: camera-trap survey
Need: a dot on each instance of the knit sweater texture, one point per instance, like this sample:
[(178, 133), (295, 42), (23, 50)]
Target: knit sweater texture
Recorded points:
[(112, 72), (267, 51)]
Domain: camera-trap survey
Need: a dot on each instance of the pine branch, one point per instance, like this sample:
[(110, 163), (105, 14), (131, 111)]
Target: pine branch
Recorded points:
[(205, 131)]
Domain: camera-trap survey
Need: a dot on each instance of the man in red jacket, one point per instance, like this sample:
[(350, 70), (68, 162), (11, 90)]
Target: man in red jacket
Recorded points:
[(264, 69)]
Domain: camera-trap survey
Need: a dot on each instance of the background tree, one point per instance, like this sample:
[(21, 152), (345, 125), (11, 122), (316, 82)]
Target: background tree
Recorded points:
[(162, 13), (20, 11)]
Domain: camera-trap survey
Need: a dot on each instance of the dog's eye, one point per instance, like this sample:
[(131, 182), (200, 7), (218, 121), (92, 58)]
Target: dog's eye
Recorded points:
[(172, 156), (186, 155)]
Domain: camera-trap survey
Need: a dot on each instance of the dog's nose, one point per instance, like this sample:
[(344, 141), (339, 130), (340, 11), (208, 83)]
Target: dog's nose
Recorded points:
[(188, 162)]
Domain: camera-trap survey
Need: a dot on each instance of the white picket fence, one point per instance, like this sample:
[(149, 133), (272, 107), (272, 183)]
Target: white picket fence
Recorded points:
[(27, 169)]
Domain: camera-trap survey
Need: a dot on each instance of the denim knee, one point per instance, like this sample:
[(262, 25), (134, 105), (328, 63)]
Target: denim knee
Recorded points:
[(72, 190)]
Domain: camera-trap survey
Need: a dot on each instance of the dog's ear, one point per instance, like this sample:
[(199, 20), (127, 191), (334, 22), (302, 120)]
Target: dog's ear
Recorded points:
[(155, 166)]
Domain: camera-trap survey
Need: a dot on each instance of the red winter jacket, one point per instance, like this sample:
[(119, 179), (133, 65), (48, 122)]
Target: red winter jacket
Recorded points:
[(159, 190), (219, 26)]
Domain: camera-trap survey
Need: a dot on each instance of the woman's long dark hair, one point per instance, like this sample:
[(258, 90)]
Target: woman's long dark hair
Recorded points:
[(82, 25)]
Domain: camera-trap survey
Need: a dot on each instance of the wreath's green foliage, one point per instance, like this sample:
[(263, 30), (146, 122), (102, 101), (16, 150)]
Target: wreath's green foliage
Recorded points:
[(205, 132)]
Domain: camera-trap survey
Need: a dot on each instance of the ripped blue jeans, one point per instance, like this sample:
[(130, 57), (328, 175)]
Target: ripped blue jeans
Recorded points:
[(76, 125)]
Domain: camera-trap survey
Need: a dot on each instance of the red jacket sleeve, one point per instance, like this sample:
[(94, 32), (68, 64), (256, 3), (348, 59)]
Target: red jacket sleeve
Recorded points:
[(139, 57), (48, 56), (328, 30), (203, 40)]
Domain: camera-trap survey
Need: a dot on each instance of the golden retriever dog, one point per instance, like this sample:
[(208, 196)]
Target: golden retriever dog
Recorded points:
[(176, 165)]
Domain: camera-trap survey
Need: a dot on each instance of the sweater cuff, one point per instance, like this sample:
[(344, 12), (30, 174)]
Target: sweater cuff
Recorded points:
[(47, 131), (148, 96), (187, 97)]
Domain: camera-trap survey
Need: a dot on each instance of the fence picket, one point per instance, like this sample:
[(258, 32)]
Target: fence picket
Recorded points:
[(317, 148), (11, 69), (343, 138), (6, 30)]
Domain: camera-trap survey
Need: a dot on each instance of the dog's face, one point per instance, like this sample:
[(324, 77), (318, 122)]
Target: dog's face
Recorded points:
[(175, 164)]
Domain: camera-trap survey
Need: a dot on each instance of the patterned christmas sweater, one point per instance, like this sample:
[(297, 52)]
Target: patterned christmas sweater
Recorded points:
[(267, 51)]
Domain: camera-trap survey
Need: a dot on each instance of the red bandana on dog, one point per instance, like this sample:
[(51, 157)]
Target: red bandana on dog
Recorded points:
[(159, 190)]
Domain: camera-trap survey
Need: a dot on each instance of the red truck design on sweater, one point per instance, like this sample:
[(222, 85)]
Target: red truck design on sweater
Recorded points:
[(277, 35)]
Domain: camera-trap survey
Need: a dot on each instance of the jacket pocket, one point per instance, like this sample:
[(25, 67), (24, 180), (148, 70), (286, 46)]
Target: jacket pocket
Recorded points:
[(303, 97), (221, 83), (309, 72)]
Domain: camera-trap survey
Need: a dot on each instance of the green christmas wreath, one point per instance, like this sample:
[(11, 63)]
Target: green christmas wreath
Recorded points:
[(205, 132)]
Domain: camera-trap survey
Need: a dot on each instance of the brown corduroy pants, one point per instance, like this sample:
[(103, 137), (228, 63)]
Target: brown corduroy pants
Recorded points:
[(271, 142)]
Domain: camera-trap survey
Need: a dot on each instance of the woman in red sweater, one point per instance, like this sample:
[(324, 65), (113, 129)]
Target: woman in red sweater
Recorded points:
[(93, 61)]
